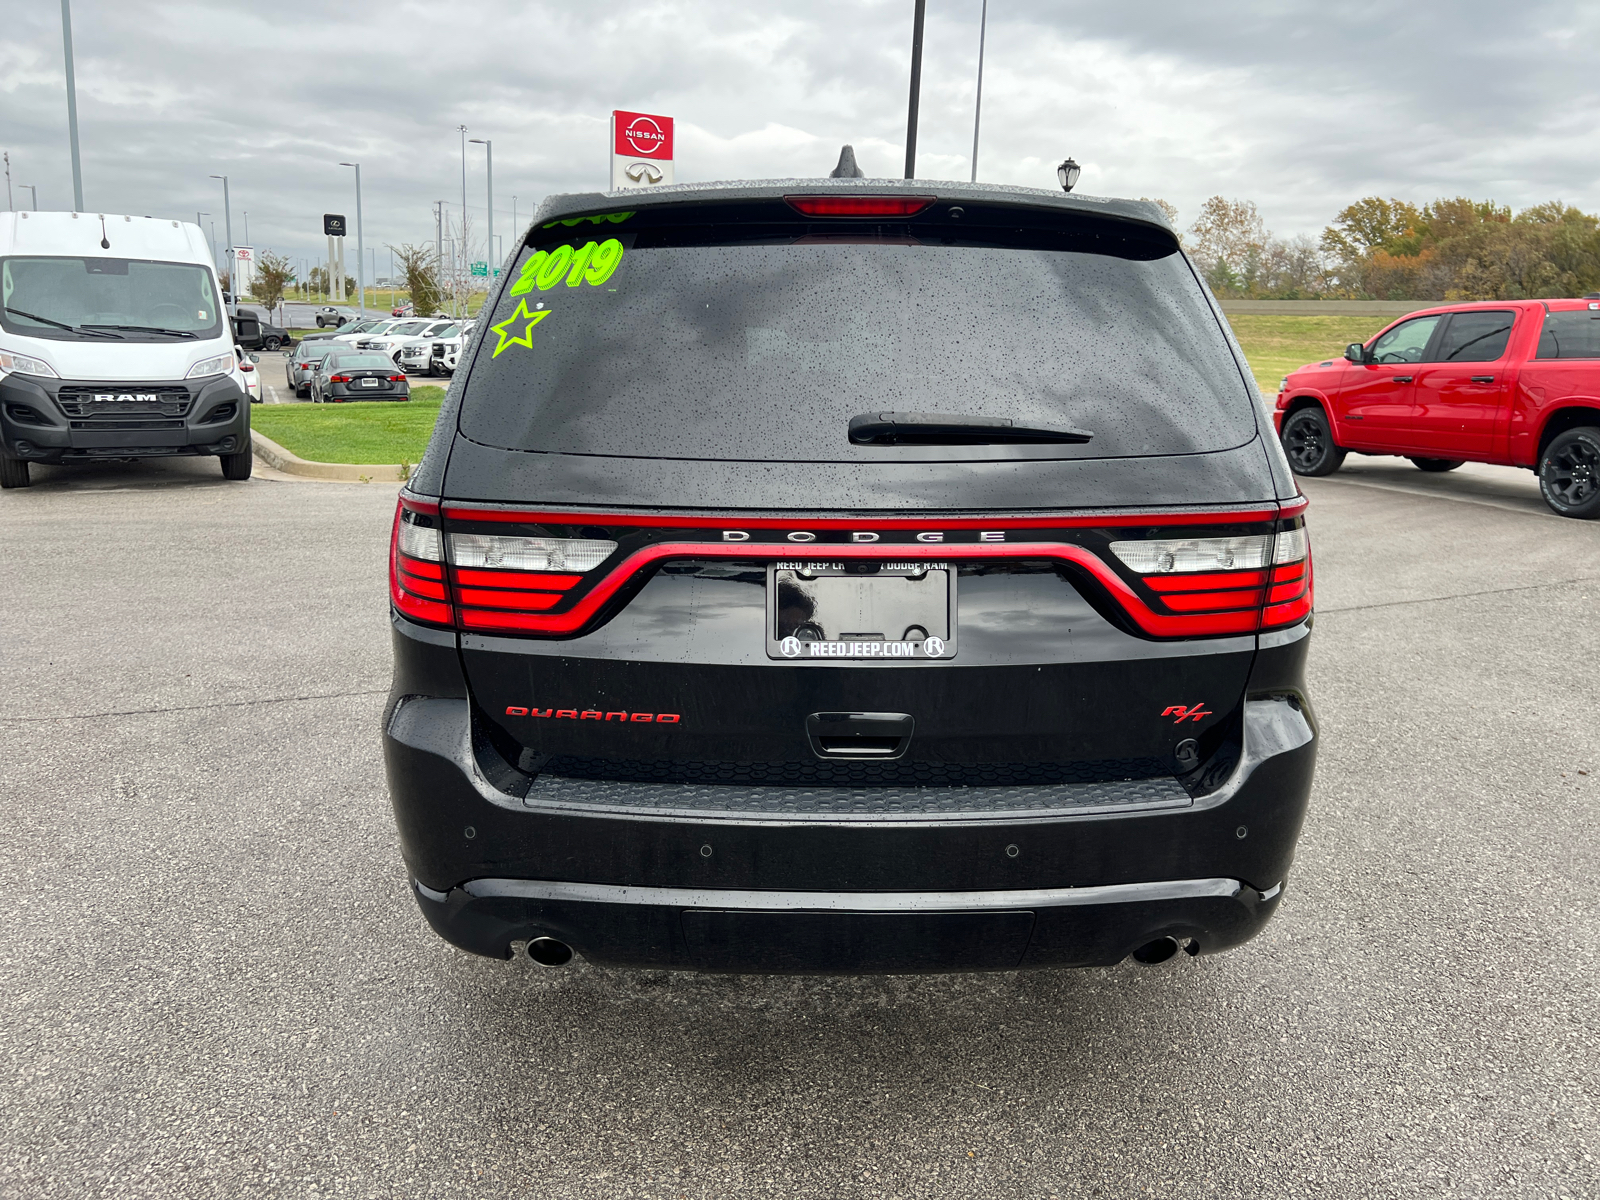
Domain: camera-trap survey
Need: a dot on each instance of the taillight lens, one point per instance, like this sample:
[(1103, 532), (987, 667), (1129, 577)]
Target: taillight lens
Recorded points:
[(1226, 582), (338, 379), (859, 206), (417, 583), (397, 379), (496, 551), (1289, 598)]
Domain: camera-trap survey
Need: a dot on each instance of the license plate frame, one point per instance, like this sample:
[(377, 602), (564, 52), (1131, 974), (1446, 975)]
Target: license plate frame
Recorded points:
[(921, 596), (370, 382)]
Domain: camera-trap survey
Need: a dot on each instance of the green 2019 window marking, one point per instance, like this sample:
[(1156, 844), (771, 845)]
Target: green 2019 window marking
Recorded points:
[(602, 218), (525, 338), (592, 263)]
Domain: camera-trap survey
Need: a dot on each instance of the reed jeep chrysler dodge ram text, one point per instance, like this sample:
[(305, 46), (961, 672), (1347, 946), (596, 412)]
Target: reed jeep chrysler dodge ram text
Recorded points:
[(849, 576)]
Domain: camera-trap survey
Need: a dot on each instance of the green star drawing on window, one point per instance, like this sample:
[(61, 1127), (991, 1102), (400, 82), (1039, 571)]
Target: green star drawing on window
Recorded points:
[(526, 337)]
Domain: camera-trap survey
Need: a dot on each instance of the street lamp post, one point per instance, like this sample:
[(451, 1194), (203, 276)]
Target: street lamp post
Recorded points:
[(916, 88), (361, 269), (977, 108), (34, 192), (488, 146), (210, 243), (462, 129), (227, 229), (1067, 174), (72, 106)]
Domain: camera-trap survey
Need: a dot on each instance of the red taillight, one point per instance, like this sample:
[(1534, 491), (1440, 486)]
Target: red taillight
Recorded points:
[(1289, 598), (339, 378), (417, 583), (859, 206), (397, 379)]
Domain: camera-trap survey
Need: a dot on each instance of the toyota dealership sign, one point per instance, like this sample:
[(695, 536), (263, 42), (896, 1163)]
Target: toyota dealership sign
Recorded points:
[(641, 150)]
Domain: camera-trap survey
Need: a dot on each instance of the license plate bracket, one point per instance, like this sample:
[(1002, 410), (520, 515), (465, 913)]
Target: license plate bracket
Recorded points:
[(369, 382), (861, 611)]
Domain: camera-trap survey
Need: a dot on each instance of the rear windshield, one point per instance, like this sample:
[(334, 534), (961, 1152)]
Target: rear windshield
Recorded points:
[(346, 362), (1570, 335), (663, 336)]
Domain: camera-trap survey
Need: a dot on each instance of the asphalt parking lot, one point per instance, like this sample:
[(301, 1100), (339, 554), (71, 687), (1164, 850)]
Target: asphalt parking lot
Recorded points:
[(214, 982)]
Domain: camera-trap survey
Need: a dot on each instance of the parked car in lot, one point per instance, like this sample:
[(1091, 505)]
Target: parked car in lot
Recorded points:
[(252, 376), (779, 637), (1513, 382), (301, 364), (357, 375), (344, 333), (332, 316), (402, 310), (114, 351), (415, 355), (445, 350), (255, 332), (390, 339)]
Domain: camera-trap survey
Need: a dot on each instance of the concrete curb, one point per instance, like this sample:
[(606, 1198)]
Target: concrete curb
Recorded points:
[(275, 455)]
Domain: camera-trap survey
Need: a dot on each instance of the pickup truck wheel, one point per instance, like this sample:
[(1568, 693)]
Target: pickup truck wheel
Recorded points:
[(13, 473), (237, 466), (1309, 443), (1437, 464), (1569, 473)]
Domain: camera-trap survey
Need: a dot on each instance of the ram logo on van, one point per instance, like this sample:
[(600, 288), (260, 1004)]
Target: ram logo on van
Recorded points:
[(126, 397)]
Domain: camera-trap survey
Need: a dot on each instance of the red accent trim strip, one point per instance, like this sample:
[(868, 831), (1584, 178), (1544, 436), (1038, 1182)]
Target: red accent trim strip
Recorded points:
[(1198, 583), (1293, 508), (530, 516), (1152, 622), (483, 598), (422, 506), (423, 587), (525, 580), (1213, 601), (421, 567)]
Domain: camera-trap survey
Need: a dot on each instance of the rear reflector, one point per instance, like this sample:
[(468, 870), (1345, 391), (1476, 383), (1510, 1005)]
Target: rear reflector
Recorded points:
[(859, 206)]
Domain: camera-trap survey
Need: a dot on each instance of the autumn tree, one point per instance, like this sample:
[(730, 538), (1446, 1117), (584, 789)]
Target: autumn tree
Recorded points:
[(272, 275), (420, 267)]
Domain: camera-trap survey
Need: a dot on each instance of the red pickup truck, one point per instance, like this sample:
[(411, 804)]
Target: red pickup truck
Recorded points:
[(1515, 382)]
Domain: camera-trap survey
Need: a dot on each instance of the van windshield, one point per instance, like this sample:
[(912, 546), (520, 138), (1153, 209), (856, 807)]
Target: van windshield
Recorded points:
[(762, 341), (91, 298)]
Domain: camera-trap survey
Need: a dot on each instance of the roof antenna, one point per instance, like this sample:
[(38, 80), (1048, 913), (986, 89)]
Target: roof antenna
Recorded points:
[(847, 168), (105, 242)]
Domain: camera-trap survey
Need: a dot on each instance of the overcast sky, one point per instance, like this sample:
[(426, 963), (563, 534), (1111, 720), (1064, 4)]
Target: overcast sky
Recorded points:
[(1299, 106)]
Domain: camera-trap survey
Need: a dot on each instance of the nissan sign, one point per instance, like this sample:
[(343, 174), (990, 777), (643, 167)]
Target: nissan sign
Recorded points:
[(641, 150)]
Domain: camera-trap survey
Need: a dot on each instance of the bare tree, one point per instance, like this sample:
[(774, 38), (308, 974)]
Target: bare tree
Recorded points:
[(420, 267)]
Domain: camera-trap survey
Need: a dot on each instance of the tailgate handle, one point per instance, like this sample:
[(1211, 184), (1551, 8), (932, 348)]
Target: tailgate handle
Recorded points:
[(859, 734)]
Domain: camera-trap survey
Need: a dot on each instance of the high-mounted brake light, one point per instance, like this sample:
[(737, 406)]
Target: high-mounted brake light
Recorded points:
[(859, 206)]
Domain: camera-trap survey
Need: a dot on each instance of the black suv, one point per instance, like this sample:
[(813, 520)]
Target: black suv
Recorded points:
[(850, 576)]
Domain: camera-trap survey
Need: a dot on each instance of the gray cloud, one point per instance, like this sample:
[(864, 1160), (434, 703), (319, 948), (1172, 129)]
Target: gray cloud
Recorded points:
[(1301, 107)]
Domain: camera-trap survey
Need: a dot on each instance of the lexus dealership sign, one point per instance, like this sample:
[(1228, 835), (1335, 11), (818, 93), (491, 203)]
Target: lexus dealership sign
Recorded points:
[(641, 150)]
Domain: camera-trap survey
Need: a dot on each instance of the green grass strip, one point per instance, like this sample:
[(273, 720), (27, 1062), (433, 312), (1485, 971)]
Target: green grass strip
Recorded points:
[(367, 432)]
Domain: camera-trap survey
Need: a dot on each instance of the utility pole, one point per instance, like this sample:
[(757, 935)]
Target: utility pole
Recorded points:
[(227, 228), (361, 267), (9, 206), (462, 129), (488, 146), (514, 199), (916, 89), (34, 191), (977, 108), (72, 106)]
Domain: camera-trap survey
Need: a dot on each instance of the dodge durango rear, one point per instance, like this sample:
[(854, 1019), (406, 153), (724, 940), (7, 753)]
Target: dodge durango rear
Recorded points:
[(850, 576)]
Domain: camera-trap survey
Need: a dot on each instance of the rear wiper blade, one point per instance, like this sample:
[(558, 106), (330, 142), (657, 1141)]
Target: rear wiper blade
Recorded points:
[(946, 429), (60, 324), (183, 333)]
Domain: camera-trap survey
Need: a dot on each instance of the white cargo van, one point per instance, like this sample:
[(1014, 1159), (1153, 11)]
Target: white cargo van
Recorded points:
[(114, 344)]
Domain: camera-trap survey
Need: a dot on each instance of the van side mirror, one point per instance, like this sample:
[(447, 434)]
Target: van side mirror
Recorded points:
[(1356, 352)]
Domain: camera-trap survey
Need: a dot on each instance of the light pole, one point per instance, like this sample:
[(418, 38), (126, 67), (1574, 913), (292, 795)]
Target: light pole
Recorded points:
[(916, 89), (227, 229), (488, 146), (72, 106), (361, 269), (212, 244), (514, 199), (977, 108), (462, 129), (32, 191)]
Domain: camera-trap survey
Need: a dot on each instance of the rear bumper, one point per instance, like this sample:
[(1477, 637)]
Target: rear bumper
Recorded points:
[(737, 891)]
